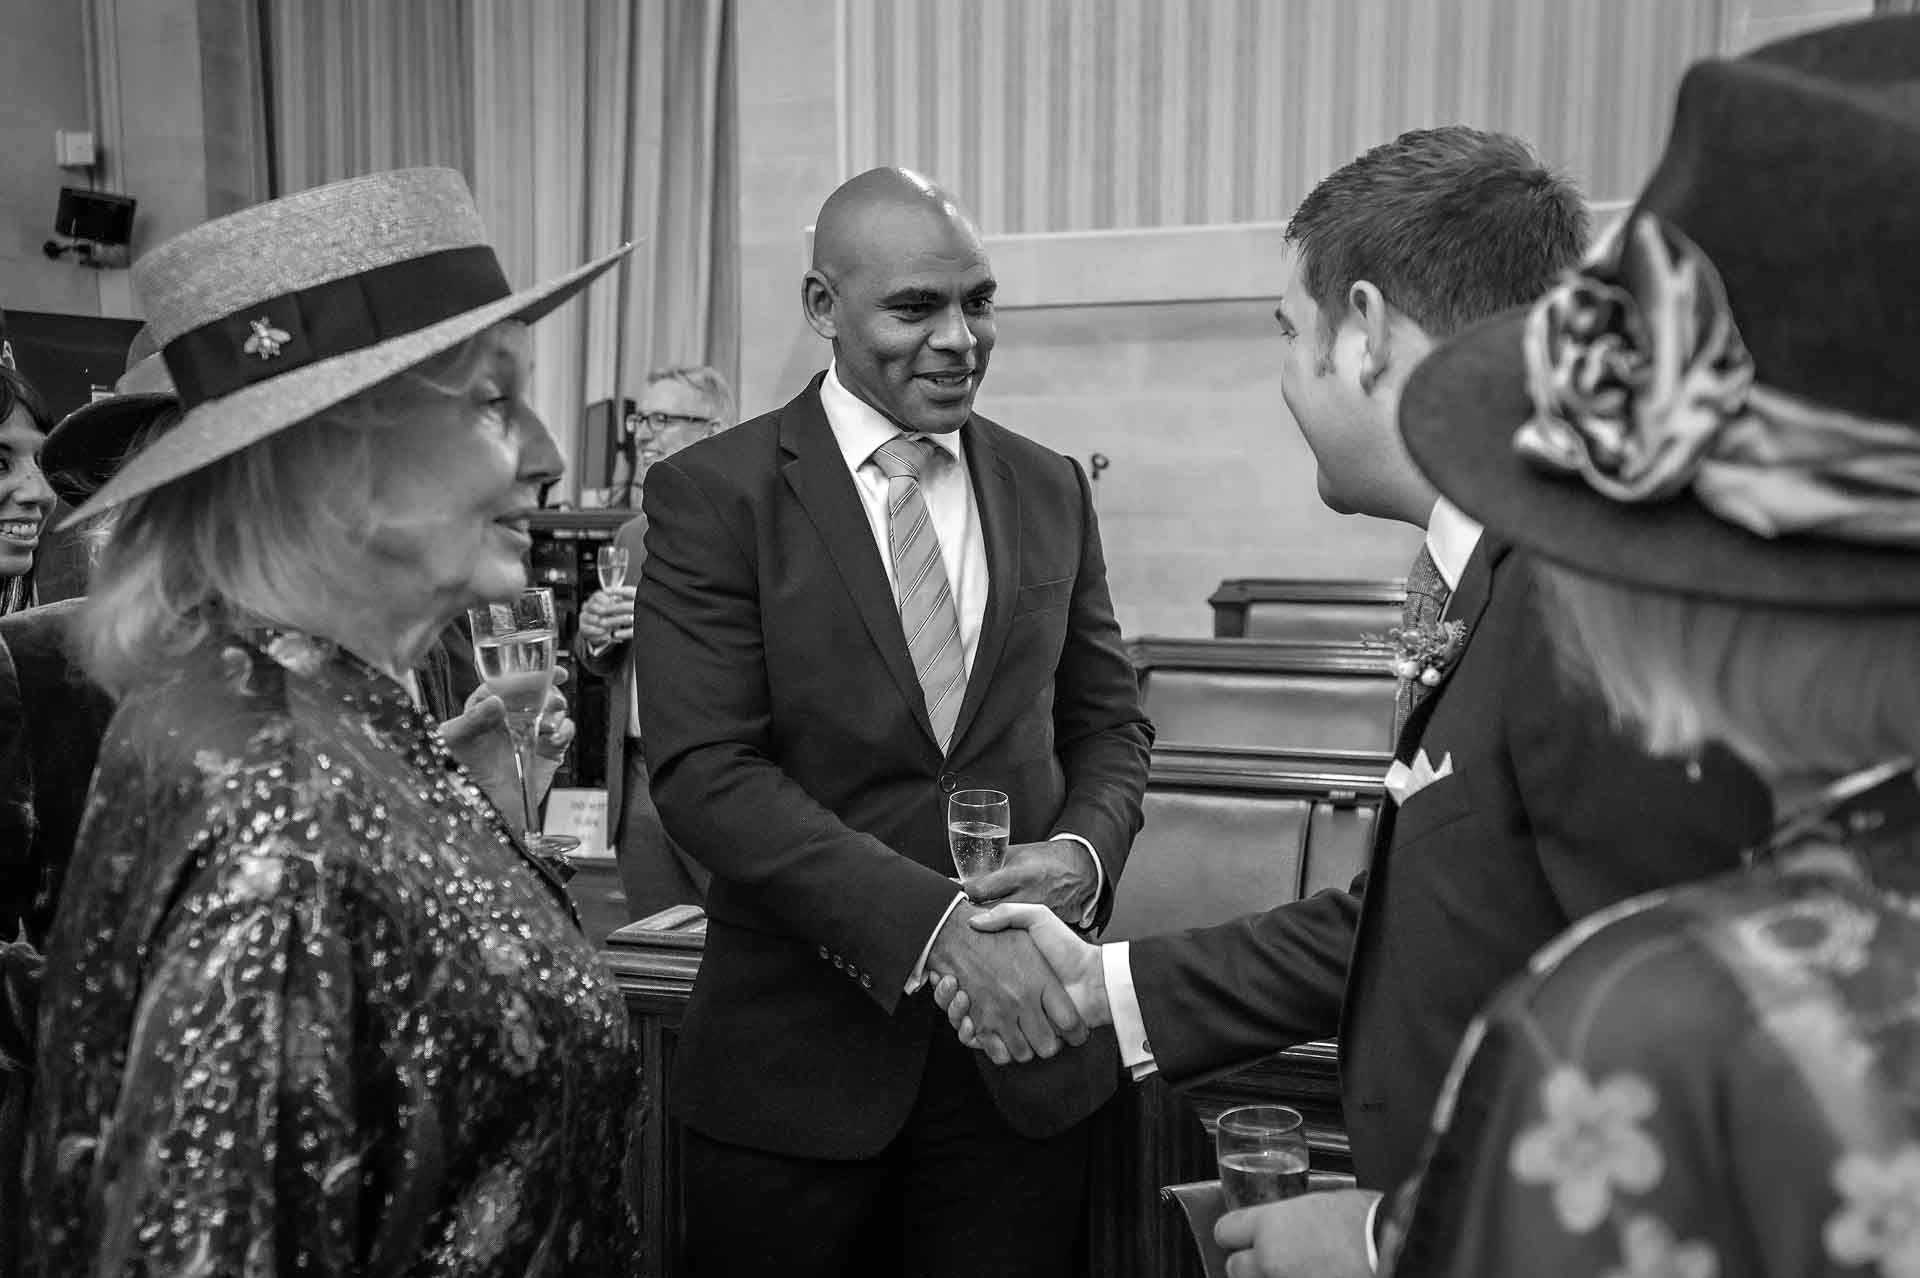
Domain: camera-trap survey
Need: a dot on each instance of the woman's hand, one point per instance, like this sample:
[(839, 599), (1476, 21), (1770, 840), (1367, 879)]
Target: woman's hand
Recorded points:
[(607, 617), (477, 737)]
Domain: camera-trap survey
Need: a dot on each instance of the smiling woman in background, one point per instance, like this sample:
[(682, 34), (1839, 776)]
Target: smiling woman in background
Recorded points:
[(303, 971), (25, 499)]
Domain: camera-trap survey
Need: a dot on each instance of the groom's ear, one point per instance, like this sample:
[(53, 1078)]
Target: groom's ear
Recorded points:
[(1369, 310), (818, 301)]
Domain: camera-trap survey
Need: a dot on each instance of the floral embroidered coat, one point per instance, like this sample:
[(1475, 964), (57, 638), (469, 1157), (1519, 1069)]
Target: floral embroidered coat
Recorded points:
[(1720, 1081), (309, 1009)]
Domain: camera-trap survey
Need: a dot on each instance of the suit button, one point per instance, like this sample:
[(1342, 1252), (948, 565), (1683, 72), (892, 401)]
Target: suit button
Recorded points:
[(823, 952), (949, 782), (839, 962), (866, 982)]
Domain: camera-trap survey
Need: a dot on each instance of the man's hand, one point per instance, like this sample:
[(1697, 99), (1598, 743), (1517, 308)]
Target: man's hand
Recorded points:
[(1313, 1236), (1019, 1004), (1058, 874), (607, 617), (1075, 962), (477, 738)]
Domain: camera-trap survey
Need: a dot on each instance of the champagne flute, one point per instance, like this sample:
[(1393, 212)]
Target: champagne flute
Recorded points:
[(514, 646), (611, 563), (1263, 1154), (978, 822)]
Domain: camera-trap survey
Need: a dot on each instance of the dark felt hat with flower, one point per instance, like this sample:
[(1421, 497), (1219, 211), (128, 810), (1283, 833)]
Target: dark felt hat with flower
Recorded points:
[(1724, 400)]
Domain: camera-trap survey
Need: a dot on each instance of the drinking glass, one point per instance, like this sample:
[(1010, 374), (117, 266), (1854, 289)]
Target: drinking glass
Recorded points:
[(1263, 1154), (513, 644), (611, 561), (978, 822)]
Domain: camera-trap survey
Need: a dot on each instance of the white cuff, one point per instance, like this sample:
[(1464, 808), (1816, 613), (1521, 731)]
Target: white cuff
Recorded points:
[(1373, 1248), (1136, 1053), (919, 976), (1099, 877)]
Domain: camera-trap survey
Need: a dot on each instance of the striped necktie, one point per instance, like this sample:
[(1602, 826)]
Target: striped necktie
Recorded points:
[(1427, 595), (927, 613)]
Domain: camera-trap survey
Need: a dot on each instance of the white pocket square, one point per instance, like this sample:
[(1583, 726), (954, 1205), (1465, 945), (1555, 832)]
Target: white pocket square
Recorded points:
[(1404, 782)]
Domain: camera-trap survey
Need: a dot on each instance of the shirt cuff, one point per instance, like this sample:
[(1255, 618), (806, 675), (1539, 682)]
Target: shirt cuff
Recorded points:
[(598, 649), (919, 976), (1136, 1053), (1373, 1247), (1092, 911)]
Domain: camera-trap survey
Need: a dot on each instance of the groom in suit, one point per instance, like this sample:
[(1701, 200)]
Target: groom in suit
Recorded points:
[(852, 607), (1508, 786)]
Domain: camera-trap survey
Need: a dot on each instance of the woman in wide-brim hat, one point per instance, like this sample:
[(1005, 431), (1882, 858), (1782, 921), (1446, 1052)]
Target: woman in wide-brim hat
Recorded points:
[(1710, 434), (309, 1003)]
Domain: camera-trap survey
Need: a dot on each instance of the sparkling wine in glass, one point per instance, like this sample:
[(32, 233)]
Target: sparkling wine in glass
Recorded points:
[(1263, 1154), (978, 822), (514, 646), (611, 563)]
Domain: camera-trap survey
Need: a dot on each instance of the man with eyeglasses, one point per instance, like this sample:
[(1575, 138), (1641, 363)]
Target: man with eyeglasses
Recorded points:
[(677, 407)]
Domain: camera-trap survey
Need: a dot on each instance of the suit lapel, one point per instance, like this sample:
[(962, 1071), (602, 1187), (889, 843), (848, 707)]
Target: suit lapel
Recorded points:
[(1468, 602), (997, 494), (817, 473)]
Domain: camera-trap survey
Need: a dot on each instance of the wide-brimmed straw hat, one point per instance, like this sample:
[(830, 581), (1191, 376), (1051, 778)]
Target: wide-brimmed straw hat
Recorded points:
[(1724, 401), (269, 315), (90, 443)]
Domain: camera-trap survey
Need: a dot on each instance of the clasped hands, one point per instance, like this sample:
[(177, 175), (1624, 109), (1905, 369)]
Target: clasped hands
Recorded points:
[(1014, 979)]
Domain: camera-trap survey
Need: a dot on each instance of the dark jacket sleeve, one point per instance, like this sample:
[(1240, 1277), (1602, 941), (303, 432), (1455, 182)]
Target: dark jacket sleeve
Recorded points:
[(1219, 996), (1103, 738), (708, 710), (606, 662)]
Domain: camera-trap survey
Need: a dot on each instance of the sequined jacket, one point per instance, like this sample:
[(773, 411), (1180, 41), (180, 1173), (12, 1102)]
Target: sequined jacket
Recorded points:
[(309, 1008)]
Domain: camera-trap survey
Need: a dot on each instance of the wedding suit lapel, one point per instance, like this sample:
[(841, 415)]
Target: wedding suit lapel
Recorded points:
[(1468, 602), (997, 497)]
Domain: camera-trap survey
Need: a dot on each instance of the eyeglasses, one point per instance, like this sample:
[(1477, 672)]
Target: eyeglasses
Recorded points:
[(660, 420)]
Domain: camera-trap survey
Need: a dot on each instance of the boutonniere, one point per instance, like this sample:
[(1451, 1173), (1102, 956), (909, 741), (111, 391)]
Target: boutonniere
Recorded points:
[(1424, 651)]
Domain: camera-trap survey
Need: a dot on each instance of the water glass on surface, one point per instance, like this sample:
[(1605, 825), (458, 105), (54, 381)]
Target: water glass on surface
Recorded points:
[(611, 563), (978, 822), (1263, 1154)]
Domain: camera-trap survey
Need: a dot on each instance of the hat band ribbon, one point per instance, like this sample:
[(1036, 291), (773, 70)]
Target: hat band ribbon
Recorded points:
[(1643, 388), (277, 335)]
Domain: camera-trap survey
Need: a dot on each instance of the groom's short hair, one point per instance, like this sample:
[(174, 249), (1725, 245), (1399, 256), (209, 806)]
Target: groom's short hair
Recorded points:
[(1452, 225)]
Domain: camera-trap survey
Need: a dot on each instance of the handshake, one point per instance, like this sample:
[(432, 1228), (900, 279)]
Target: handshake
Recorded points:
[(1015, 980)]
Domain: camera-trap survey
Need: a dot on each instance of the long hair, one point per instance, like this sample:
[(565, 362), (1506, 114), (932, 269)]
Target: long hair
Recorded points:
[(277, 533), (1793, 691)]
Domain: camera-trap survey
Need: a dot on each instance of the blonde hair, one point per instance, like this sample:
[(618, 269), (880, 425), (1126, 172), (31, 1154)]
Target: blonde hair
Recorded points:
[(709, 383), (1793, 691), (276, 533)]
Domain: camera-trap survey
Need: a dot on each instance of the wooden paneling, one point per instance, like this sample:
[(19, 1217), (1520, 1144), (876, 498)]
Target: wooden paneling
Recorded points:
[(1057, 115)]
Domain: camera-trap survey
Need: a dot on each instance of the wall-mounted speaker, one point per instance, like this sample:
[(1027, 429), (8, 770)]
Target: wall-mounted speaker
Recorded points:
[(94, 215)]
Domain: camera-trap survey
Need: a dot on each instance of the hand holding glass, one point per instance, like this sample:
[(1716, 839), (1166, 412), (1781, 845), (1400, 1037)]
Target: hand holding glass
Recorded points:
[(1263, 1154), (611, 561), (513, 644), (978, 822)]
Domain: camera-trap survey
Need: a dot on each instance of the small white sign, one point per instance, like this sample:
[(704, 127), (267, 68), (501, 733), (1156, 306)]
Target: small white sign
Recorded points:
[(581, 813)]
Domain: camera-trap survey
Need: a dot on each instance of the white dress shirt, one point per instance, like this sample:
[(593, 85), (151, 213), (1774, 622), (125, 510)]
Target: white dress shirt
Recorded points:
[(859, 428)]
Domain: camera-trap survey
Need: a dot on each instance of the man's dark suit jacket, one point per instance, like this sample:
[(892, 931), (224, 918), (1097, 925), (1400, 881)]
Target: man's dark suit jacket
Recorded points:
[(793, 756), (1549, 815)]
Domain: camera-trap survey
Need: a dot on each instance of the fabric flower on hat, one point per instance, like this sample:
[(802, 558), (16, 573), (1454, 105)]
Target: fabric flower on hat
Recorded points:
[(1634, 364), (1643, 387)]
